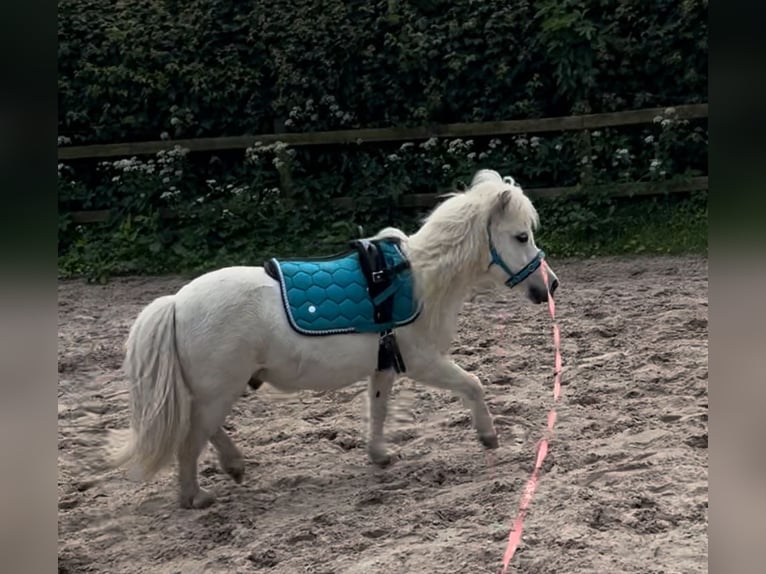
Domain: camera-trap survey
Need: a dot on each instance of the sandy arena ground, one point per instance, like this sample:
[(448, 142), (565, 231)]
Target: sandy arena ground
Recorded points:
[(625, 482)]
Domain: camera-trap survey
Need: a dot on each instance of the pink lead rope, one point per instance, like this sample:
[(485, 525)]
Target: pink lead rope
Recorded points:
[(514, 537)]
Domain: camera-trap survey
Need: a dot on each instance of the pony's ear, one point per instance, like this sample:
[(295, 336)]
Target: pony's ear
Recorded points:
[(503, 199), (485, 175)]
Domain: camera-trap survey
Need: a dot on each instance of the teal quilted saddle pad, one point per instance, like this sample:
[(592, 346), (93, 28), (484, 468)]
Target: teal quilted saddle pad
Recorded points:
[(329, 295)]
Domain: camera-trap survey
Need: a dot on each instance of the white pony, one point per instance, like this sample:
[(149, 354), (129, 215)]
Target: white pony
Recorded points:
[(190, 355)]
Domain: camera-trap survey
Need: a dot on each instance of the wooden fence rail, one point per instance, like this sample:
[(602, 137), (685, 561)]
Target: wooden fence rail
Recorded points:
[(459, 130)]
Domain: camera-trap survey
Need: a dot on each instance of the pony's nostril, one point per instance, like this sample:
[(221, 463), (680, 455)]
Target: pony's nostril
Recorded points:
[(554, 285)]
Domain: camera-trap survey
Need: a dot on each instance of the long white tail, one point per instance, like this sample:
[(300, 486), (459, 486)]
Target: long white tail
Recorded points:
[(159, 398)]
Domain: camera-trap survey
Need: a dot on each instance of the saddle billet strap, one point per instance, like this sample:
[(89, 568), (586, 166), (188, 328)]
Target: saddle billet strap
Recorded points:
[(389, 355), (378, 276), (381, 284)]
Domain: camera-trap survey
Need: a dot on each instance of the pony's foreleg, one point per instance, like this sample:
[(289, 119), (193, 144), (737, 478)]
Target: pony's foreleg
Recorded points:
[(443, 373), (378, 390), (229, 455)]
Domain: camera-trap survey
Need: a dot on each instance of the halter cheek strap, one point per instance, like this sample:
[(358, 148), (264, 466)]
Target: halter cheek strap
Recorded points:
[(514, 278)]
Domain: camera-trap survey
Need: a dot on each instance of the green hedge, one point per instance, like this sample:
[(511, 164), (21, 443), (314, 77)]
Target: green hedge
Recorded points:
[(145, 69), (149, 69)]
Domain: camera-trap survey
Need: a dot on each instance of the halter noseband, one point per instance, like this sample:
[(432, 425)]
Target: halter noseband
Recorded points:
[(514, 278)]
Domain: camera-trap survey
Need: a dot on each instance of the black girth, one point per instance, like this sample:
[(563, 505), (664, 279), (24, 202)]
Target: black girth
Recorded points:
[(379, 277)]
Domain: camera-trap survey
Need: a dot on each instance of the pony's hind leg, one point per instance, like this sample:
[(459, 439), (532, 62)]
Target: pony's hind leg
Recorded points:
[(443, 373), (190, 493), (378, 391), (206, 420), (229, 455)]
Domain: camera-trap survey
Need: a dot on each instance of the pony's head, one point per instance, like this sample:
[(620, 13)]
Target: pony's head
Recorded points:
[(484, 237), (514, 258), (511, 255)]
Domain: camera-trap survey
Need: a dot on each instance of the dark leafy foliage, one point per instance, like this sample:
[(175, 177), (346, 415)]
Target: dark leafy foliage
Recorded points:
[(150, 69), (216, 67)]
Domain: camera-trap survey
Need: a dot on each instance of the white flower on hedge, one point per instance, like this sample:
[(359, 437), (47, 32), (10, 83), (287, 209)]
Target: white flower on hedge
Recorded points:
[(584, 160), (483, 155), (557, 147), (521, 142), (406, 146), (649, 139), (288, 123), (456, 146), (622, 154), (657, 119), (446, 167), (174, 121), (64, 140), (655, 163), (534, 141), (116, 179), (666, 123), (596, 134), (164, 136), (430, 143), (471, 155), (670, 111), (393, 157)]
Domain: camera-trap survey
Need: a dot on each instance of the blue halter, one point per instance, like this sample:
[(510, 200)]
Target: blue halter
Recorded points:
[(514, 278)]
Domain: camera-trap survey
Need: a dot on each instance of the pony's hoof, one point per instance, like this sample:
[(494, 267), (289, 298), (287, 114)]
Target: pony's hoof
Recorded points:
[(202, 499), (489, 441), (236, 470), (381, 459)]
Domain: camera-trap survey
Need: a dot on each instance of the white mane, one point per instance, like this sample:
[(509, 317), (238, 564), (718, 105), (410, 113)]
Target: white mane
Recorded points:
[(452, 246)]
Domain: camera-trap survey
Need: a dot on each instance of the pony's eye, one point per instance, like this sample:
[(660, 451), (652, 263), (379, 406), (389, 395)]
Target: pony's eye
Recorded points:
[(522, 237)]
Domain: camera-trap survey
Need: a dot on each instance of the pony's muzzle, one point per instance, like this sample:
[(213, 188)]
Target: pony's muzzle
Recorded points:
[(537, 294)]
